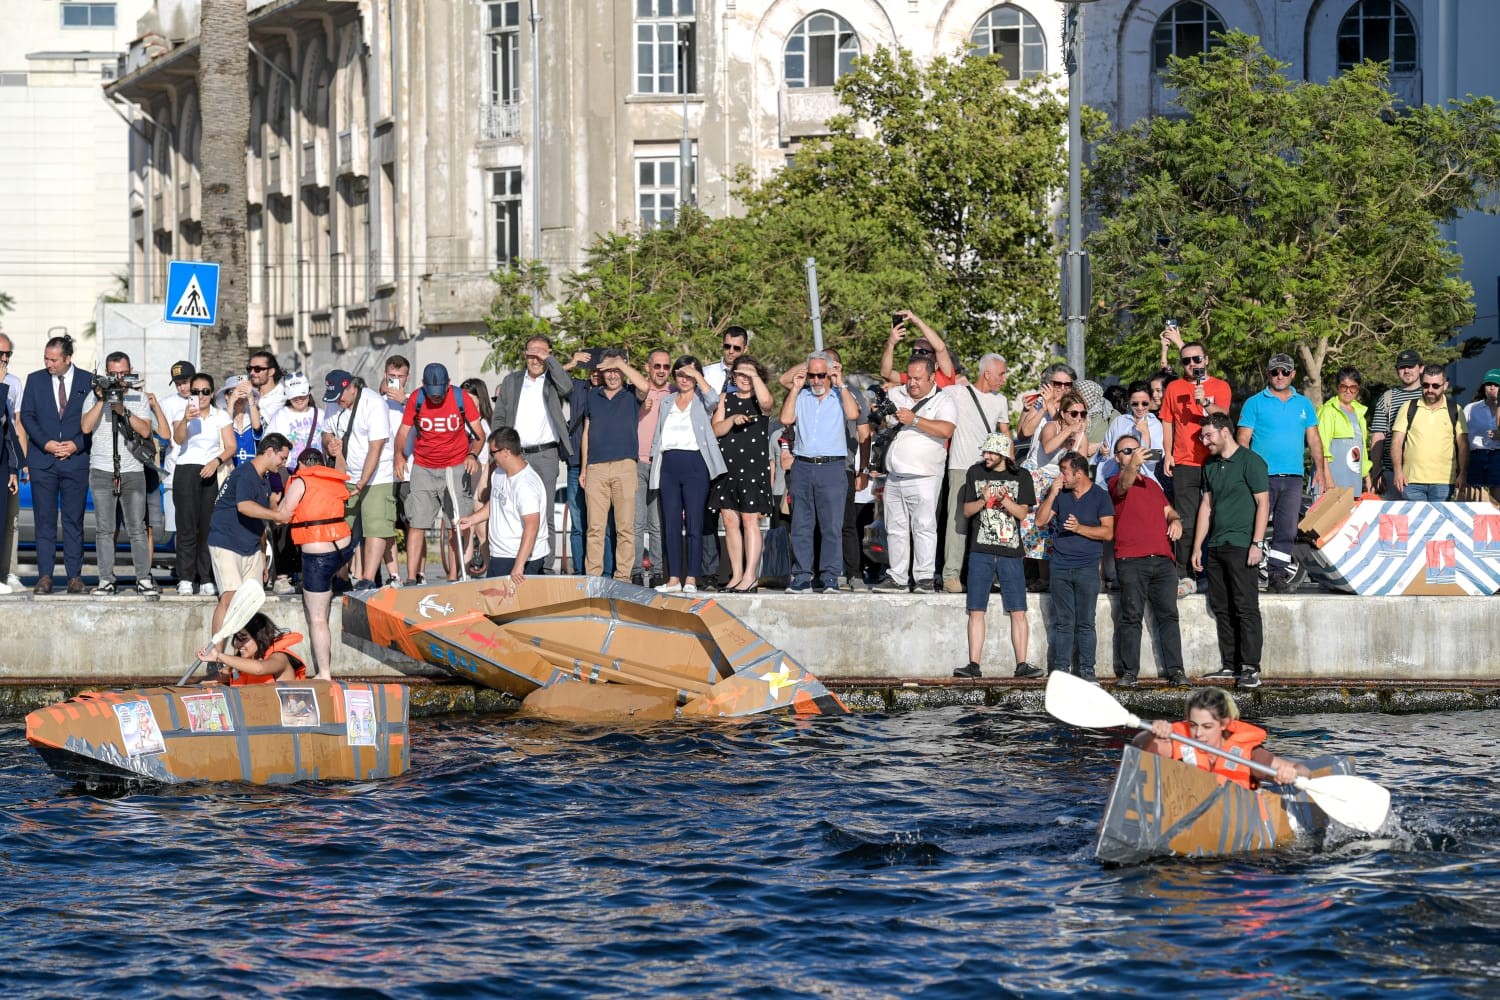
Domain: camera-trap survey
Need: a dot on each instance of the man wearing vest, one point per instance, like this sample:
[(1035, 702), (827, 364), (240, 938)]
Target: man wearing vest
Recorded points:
[(446, 459), (1430, 442)]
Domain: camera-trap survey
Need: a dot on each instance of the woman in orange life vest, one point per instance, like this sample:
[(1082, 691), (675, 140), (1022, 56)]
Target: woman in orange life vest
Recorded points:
[(262, 654), (1214, 718), (313, 506)]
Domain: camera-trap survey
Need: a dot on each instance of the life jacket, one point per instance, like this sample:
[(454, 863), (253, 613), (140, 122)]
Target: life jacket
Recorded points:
[(283, 644), (1240, 740), (320, 513)]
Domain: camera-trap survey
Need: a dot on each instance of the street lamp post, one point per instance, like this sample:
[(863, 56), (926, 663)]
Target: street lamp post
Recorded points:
[(1072, 22)]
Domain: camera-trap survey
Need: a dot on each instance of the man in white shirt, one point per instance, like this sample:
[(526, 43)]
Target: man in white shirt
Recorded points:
[(735, 341), (267, 379), (515, 511), (917, 458), (117, 417), (394, 391), (10, 503), (979, 410), (355, 436), (530, 402)]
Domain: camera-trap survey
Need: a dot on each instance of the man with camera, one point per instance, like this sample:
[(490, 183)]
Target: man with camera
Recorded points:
[(915, 463), (1185, 407), (117, 472)]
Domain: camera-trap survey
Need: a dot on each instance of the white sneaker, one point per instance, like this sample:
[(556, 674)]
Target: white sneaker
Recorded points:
[(207, 590), (14, 582), (689, 588), (5, 588), (283, 586), (671, 588), (185, 589)]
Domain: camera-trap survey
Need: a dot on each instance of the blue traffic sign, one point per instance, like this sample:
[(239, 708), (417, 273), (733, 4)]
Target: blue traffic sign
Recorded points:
[(192, 292)]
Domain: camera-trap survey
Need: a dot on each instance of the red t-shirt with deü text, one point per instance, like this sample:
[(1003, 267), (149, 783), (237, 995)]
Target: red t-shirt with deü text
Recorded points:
[(1180, 408), (442, 441)]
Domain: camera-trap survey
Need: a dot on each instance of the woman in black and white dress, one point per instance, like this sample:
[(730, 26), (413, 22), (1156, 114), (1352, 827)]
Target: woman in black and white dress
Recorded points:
[(743, 494)]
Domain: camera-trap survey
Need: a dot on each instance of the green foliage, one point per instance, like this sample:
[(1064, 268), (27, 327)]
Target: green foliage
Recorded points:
[(511, 321), (7, 303), (1285, 216)]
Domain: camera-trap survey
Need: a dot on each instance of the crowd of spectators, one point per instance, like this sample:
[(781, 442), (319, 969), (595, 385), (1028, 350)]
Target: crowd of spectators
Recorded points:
[(1147, 488)]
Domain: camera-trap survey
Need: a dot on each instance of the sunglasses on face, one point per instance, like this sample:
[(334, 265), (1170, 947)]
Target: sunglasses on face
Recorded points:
[(257, 368), (1281, 372), (661, 368), (817, 375), (1195, 360), (494, 452), (200, 392), (1077, 413), (1348, 387), (5, 355), (1143, 404), (1432, 385), (923, 350), (1059, 385), (1126, 451), (733, 347)]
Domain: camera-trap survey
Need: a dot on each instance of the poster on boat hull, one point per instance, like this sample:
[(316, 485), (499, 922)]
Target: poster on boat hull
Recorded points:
[(138, 729), (299, 706), (359, 723), (208, 713)]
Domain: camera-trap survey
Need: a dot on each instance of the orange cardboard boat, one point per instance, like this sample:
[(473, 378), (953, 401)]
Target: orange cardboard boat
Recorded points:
[(265, 734), (587, 648)]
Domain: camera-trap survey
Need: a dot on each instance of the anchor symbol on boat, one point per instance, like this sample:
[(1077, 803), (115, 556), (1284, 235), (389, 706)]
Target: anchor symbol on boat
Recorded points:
[(430, 606)]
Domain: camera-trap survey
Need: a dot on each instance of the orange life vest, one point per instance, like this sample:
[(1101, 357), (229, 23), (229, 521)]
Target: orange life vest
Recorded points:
[(283, 644), (320, 513), (1240, 741)]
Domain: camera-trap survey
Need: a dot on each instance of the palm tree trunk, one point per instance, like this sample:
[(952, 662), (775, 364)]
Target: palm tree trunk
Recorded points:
[(224, 99)]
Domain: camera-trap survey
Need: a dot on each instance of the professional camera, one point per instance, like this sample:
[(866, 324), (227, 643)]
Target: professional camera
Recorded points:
[(880, 411), (113, 387), (882, 407)]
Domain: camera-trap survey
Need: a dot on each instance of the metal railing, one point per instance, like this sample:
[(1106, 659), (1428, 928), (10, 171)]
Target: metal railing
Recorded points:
[(500, 121)]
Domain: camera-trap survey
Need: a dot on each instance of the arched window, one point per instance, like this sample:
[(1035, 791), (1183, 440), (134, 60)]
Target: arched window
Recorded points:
[(1014, 36), (1381, 31), (1186, 30), (820, 50)]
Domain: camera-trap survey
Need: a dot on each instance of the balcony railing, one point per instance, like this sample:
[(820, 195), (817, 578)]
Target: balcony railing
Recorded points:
[(500, 121)]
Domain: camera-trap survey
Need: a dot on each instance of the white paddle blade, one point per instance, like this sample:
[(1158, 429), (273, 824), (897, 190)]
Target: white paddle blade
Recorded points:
[(1080, 703), (1349, 800), (247, 600)]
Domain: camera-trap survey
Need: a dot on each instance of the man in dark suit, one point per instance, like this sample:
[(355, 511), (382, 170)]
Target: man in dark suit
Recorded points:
[(52, 413)]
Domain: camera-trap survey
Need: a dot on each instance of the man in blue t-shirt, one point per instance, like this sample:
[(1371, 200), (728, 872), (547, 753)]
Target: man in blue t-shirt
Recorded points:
[(237, 528), (1085, 520), (1277, 423)]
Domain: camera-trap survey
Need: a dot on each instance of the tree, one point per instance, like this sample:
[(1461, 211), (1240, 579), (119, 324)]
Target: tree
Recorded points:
[(1285, 216), (511, 322), (224, 97)]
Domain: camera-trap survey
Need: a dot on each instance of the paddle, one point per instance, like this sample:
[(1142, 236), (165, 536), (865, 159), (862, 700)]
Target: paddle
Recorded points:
[(248, 598), (1355, 802)]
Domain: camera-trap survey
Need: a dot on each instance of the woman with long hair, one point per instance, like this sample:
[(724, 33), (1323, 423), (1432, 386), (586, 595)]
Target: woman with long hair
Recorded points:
[(743, 494), (1058, 435), (1211, 716), (202, 444), (685, 458), (262, 654)]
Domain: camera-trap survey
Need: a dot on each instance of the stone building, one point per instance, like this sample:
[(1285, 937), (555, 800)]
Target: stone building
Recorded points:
[(401, 150)]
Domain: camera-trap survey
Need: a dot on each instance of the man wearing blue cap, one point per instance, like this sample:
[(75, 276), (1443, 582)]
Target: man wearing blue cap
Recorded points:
[(445, 460)]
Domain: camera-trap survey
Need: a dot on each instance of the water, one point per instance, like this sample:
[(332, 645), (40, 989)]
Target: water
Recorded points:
[(937, 853)]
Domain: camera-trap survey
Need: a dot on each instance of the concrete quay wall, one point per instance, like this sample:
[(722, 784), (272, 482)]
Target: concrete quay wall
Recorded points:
[(1308, 637)]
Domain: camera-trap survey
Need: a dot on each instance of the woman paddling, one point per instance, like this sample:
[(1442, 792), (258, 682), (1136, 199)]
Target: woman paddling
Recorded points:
[(262, 654), (1214, 718)]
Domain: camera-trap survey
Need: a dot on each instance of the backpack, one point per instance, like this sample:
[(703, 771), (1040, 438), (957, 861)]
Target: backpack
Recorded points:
[(1411, 413), (458, 398)]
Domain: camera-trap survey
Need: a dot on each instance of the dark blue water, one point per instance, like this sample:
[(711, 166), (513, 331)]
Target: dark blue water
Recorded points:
[(938, 853)]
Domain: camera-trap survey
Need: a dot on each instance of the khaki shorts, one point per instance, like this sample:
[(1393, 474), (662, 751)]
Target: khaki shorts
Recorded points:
[(375, 509), (430, 493), (232, 569)]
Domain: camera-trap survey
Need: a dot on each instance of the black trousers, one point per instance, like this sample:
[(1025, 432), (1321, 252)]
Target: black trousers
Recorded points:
[(1187, 492), (194, 498), (1234, 599), (1149, 580)]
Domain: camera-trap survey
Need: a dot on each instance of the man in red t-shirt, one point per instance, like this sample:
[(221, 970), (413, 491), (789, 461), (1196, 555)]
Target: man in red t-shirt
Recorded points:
[(1145, 528), (1184, 406), (445, 458)]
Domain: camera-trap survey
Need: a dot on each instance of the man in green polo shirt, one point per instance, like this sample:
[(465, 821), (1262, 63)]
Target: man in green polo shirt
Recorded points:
[(1229, 541)]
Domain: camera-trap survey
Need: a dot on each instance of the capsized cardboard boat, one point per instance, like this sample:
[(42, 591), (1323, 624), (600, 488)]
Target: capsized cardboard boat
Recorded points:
[(267, 734), (1162, 807), (587, 648)]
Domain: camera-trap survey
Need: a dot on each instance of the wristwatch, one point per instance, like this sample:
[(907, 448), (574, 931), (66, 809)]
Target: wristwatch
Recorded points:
[(1260, 545)]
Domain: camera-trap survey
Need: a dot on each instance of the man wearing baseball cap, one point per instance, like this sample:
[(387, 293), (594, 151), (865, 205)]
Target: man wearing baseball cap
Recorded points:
[(997, 496), (1392, 401), (355, 440), (445, 461), (1277, 423)]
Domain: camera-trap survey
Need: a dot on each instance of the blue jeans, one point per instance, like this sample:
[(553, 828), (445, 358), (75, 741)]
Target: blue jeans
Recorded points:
[(578, 525), (1074, 592), (1431, 492)]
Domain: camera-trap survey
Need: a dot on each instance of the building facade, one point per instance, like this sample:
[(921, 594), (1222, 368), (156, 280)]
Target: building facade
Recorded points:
[(63, 168), (401, 150)]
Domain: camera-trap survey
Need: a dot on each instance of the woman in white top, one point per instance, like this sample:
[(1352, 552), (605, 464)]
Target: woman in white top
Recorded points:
[(1483, 419), (685, 458), (202, 444)]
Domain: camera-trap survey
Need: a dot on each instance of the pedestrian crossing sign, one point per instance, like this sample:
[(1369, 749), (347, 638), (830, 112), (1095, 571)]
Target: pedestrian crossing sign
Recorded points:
[(192, 292)]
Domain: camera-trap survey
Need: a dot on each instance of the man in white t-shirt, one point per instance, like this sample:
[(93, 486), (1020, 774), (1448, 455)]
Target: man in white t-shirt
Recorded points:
[(917, 458), (361, 420), (517, 503), (979, 410)]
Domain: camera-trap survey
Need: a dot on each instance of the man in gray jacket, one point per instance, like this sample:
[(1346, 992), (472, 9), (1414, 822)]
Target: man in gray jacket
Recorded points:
[(531, 401)]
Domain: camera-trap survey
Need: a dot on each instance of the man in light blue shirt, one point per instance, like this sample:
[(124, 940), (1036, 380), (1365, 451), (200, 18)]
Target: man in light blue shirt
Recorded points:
[(818, 407), (1277, 423)]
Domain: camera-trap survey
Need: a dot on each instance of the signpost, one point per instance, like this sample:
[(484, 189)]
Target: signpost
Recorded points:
[(192, 292)]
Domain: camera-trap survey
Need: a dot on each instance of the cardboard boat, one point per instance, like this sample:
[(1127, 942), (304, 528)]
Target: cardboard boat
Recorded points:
[(265, 734), (587, 648), (1163, 807)]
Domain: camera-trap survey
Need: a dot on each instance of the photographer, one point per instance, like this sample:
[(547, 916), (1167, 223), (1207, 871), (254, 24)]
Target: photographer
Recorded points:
[(916, 462), (117, 476)]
